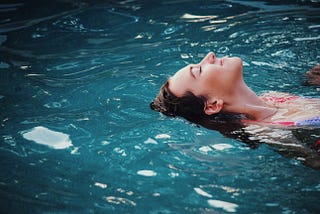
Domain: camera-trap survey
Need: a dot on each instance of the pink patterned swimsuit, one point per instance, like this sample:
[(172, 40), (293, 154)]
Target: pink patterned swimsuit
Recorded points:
[(314, 121)]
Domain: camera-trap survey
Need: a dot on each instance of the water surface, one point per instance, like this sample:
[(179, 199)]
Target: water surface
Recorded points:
[(77, 134)]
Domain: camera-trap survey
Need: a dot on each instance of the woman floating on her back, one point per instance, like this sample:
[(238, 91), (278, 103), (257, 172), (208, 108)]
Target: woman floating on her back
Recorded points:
[(213, 94), (215, 86)]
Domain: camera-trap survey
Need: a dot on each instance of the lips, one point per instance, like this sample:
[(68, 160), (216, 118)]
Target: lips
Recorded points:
[(223, 60)]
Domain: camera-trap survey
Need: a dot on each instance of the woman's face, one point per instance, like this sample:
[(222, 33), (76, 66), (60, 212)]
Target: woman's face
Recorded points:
[(211, 77)]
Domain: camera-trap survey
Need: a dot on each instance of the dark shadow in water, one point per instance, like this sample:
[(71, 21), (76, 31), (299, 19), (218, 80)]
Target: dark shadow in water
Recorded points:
[(300, 143)]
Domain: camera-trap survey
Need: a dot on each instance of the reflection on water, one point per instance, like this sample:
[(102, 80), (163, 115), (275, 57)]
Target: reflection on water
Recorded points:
[(45, 136), (76, 130)]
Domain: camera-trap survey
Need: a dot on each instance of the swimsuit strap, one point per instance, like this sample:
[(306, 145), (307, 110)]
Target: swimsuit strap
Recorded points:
[(280, 99), (315, 121)]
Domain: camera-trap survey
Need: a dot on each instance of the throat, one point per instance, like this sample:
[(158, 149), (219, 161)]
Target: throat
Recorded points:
[(246, 102), (261, 113)]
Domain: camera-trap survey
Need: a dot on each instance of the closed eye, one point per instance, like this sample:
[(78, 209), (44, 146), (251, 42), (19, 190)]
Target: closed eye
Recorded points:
[(190, 71), (195, 71)]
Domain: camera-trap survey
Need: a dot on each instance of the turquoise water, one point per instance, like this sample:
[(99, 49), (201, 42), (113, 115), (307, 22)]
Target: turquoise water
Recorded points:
[(77, 134)]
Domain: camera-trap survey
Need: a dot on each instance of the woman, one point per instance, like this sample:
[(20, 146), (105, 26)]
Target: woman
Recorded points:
[(213, 94), (214, 88)]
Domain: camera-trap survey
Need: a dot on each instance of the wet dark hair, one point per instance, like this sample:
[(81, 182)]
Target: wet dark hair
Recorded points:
[(188, 106)]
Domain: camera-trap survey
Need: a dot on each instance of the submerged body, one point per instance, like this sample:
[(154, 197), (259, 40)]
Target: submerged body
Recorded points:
[(214, 94)]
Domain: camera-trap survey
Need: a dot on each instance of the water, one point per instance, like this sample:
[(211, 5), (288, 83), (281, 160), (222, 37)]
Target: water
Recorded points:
[(77, 134)]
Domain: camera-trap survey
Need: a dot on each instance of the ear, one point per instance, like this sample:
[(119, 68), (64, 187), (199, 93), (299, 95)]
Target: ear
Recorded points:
[(214, 106)]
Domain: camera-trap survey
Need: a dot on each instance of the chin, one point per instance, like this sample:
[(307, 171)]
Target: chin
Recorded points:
[(235, 62), (239, 60)]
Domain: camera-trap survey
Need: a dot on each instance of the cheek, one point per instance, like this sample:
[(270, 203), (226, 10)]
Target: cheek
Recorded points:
[(212, 76), (207, 85), (217, 81), (196, 87)]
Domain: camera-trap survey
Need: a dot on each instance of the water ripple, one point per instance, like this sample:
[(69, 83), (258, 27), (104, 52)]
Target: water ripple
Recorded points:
[(85, 77), (18, 25), (96, 19)]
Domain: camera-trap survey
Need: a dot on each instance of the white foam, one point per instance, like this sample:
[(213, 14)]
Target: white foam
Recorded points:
[(203, 193), (150, 141), (314, 26), (45, 136), (148, 173), (173, 174), (163, 136), (101, 185), (222, 146), (105, 142), (307, 38), (227, 206), (205, 149)]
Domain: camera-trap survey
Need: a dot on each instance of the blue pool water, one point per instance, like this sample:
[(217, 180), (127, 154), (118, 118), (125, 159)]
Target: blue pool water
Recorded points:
[(77, 134)]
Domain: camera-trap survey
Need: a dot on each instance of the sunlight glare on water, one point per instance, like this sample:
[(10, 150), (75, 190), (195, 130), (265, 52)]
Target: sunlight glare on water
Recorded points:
[(45, 136)]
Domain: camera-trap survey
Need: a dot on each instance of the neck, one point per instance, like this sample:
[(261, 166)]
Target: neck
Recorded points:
[(246, 102)]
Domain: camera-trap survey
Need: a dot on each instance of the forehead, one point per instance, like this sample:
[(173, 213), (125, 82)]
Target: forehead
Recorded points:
[(179, 81)]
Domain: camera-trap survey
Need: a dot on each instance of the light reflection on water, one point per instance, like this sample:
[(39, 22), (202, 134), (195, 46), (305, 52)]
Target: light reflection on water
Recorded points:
[(45, 136), (83, 74)]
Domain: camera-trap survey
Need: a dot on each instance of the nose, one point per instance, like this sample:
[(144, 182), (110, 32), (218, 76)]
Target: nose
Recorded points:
[(210, 58), (211, 55)]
